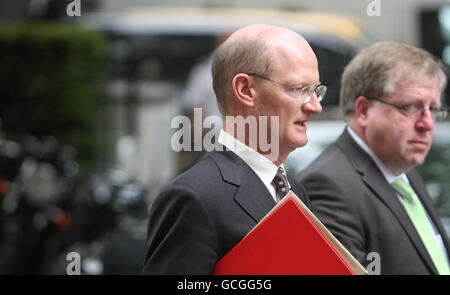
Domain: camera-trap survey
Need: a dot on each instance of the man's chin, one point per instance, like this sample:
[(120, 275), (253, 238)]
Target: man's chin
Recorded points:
[(417, 162), (411, 163), (418, 157), (300, 143)]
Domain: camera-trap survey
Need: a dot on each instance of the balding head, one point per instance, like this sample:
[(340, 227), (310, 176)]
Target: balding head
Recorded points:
[(253, 49)]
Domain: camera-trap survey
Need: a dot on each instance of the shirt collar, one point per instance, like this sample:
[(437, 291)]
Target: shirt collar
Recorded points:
[(261, 165)]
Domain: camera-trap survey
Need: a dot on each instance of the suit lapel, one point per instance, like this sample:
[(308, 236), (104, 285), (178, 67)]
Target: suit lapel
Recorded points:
[(252, 195), (299, 191), (384, 191), (376, 182)]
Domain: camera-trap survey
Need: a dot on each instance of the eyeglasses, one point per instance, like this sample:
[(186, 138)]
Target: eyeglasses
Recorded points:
[(416, 111), (304, 94)]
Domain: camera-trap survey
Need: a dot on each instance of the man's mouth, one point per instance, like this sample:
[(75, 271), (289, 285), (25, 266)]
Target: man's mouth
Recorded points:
[(418, 143), (301, 123)]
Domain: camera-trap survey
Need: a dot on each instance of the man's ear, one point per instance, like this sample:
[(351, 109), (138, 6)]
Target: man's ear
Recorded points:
[(362, 105), (243, 90)]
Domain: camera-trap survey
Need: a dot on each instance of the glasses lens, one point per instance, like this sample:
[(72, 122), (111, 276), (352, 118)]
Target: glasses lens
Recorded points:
[(306, 94), (416, 111), (320, 92)]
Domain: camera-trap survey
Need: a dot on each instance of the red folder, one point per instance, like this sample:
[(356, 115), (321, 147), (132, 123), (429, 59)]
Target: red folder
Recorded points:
[(289, 240)]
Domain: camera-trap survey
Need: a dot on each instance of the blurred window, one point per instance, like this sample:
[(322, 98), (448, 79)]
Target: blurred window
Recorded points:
[(331, 66), (160, 57), (435, 37), (170, 57)]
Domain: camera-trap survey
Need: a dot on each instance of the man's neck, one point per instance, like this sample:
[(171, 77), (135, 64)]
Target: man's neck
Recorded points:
[(277, 158)]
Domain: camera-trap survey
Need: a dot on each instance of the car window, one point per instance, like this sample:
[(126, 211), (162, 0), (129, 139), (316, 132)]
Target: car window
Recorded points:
[(171, 56)]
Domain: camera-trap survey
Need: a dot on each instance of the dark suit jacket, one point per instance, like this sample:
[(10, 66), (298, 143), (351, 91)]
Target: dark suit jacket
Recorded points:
[(204, 212), (350, 195)]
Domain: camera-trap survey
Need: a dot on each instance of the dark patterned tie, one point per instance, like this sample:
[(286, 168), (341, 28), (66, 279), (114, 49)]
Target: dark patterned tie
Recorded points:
[(281, 184)]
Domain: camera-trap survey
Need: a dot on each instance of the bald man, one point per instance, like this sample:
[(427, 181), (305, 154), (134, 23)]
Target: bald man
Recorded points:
[(268, 77)]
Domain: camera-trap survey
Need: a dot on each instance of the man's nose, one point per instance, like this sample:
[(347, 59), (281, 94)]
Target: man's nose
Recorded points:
[(313, 105), (426, 120)]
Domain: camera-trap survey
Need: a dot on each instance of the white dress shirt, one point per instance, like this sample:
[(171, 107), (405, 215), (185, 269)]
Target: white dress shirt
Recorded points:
[(263, 167), (390, 178)]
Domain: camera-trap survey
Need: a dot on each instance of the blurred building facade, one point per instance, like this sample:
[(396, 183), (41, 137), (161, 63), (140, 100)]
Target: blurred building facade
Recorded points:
[(394, 20), (387, 19)]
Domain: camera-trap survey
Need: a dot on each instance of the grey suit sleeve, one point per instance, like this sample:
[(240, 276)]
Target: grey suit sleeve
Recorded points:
[(330, 203), (181, 237)]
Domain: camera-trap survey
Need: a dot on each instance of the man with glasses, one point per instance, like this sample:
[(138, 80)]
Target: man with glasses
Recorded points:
[(260, 71), (364, 187)]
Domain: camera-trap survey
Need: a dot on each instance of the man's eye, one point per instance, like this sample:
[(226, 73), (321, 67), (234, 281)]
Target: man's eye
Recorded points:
[(411, 106)]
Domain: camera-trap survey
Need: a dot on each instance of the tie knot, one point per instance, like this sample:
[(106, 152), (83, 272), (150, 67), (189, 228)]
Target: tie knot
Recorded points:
[(281, 184), (404, 189)]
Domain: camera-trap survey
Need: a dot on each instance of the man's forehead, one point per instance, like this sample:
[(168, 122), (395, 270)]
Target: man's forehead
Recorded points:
[(417, 83), (292, 58), (416, 91), (405, 74)]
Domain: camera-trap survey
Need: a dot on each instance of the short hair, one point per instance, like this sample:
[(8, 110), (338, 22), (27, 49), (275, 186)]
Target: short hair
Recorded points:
[(375, 71), (249, 54)]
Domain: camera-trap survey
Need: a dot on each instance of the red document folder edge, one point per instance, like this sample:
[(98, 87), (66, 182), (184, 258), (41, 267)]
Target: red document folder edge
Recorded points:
[(289, 240)]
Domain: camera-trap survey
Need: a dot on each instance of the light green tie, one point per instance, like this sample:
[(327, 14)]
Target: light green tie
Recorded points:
[(416, 212)]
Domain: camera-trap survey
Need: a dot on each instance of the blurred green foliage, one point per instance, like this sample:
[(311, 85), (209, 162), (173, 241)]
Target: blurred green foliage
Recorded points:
[(50, 76), (435, 171)]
